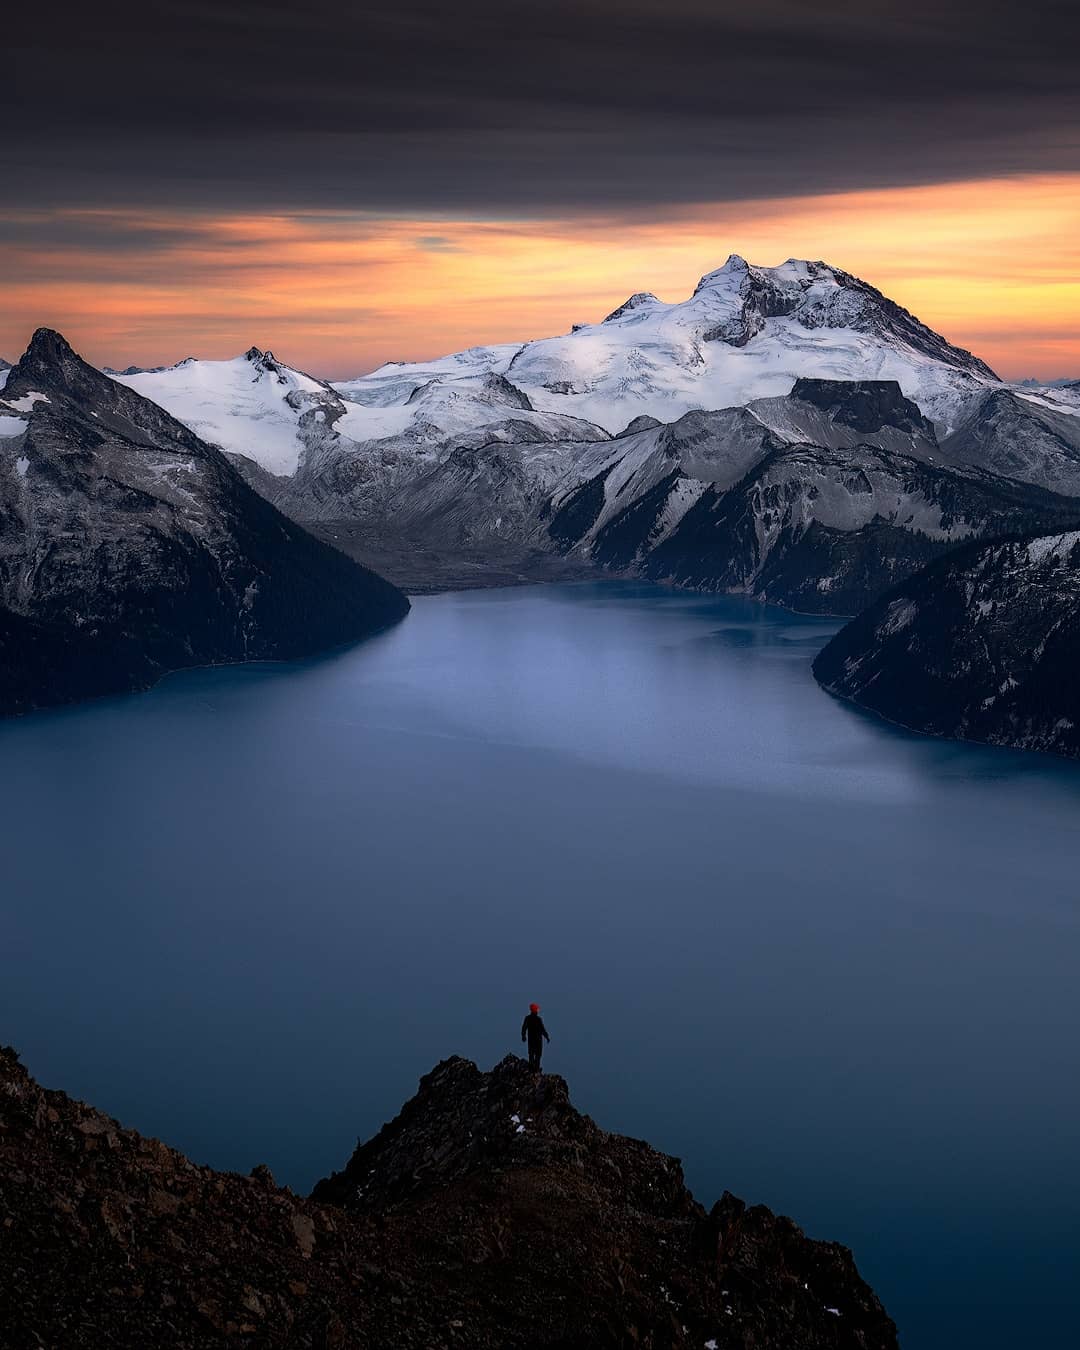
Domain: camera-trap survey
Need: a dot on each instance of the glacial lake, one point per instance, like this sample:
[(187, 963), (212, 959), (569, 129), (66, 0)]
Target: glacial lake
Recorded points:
[(831, 965)]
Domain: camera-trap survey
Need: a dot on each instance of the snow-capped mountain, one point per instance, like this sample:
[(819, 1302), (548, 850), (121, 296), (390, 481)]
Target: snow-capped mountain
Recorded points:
[(623, 442), (984, 645), (322, 456), (747, 332), (252, 405), (343, 476), (129, 547)]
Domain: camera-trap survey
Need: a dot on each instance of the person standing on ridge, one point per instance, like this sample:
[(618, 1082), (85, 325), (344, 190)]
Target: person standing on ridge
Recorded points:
[(535, 1032)]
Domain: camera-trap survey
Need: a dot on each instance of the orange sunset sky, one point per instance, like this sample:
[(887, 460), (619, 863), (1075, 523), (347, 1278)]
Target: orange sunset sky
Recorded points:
[(992, 264)]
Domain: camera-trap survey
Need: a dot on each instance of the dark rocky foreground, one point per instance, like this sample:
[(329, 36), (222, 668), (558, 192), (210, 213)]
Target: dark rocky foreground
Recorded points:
[(982, 646), (130, 548), (489, 1214)]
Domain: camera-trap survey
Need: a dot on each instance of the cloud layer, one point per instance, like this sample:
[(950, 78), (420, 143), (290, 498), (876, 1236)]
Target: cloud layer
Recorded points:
[(513, 107), (352, 182)]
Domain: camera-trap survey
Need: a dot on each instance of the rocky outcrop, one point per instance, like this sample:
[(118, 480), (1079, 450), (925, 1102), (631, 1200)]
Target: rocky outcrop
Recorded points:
[(591, 1234), (983, 646), (489, 1215), (129, 547), (866, 406)]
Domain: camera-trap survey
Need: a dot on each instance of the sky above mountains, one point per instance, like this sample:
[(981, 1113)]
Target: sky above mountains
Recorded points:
[(350, 184)]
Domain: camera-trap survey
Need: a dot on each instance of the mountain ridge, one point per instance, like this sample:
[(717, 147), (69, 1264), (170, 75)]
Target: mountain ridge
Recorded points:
[(129, 547), (478, 464), (511, 462)]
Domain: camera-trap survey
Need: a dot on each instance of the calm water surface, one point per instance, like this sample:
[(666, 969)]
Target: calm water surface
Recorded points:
[(830, 965)]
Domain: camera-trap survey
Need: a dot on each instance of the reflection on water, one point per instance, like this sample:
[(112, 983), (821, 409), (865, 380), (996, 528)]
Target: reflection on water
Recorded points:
[(829, 964)]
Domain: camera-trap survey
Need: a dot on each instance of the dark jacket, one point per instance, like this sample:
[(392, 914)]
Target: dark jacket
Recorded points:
[(533, 1028)]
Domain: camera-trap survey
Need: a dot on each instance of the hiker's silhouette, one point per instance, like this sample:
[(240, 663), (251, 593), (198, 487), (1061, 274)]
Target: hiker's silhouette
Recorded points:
[(534, 1031)]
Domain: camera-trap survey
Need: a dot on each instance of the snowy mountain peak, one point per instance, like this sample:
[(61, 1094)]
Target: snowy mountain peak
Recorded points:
[(637, 301), (253, 405), (735, 267), (488, 390), (266, 361)]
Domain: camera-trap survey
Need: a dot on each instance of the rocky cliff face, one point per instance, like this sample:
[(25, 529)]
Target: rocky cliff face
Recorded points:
[(489, 1215), (984, 646), (820, 500), (128, 547), (1019, 438)]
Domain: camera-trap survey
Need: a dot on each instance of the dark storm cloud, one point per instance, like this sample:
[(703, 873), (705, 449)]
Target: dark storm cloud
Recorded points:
[(98, 233), (486, 107)]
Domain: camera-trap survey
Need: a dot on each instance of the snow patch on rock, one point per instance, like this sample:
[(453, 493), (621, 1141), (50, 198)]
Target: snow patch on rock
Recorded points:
[(27, 402)]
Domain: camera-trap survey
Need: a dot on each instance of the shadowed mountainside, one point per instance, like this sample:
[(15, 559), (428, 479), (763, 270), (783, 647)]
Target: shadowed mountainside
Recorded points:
[(130, 548)]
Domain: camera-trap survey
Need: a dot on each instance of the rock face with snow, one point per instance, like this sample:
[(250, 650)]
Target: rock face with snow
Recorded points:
[(129, 548), (747, 332), (355, 450), (983, 646), (253, 406), (820, 501), (321, 456), (490, 1215)]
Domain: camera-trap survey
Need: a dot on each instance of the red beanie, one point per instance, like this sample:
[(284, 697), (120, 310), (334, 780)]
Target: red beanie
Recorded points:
[(534, 1007)]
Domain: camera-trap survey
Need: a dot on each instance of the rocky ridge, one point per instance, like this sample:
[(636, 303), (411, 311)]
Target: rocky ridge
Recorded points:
[(1016, 437), (489, 1214), (820, 500)]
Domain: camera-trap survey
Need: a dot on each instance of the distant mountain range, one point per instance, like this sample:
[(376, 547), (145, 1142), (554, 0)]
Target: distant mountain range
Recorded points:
[(788, 433)]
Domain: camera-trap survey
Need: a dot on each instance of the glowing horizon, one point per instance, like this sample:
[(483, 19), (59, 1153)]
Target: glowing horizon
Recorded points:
[(993, 265)]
